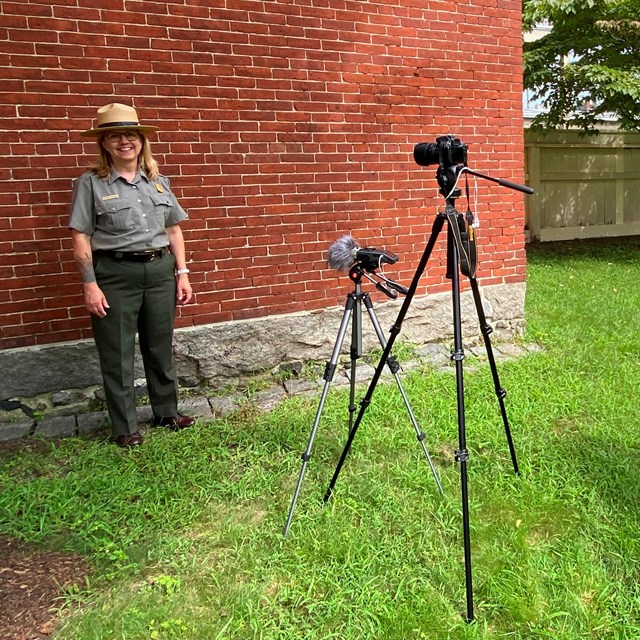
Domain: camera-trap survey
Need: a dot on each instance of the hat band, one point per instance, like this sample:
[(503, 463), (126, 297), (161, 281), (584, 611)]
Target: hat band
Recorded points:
[(119, 124)]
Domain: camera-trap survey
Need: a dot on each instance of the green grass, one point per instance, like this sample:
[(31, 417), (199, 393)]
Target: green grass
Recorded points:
[(184, 535)]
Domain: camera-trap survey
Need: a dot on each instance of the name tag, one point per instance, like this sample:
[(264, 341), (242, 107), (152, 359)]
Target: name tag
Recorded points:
[(112, 196)]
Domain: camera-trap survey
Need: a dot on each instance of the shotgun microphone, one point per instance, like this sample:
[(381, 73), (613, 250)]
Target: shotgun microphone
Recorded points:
[(345, 251)]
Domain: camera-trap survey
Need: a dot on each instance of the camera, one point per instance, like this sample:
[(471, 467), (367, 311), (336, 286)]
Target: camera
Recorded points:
[(445, 151)]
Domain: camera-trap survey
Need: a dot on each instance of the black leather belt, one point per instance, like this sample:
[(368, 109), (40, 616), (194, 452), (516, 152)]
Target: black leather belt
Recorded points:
[(131, 256)]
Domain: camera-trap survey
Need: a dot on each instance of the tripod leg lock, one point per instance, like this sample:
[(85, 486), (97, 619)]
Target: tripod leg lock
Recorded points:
[(461, 455), (393, 364), (305, 457), (501, 393), (457, 355), (486, 330), (329, 370)]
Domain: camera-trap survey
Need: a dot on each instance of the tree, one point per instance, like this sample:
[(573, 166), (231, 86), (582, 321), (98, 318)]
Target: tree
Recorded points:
[(587, 66)]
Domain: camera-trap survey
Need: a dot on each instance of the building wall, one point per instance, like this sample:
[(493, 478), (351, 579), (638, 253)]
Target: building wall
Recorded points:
[(283, 125)]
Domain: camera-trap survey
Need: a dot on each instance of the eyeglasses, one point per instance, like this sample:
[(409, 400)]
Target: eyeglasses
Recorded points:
[(129, 135)]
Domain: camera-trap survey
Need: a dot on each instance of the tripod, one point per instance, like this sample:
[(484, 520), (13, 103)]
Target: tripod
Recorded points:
[(353, 309), (461, 256)]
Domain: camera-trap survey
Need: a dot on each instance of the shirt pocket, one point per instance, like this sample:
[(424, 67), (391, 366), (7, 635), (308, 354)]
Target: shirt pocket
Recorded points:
[(115, 215), (162, 205)]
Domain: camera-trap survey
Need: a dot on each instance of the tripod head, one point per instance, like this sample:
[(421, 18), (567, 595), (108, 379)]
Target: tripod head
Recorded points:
[(447, 178), (367, 269)]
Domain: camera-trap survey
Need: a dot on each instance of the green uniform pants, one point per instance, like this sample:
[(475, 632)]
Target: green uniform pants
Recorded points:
[(142, 299)]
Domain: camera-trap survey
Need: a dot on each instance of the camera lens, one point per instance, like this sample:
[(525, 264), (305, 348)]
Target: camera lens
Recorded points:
[(426, 153)]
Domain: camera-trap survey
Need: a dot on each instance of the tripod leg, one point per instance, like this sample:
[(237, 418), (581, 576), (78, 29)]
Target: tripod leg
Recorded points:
[(328, 376), (356, 351), (461, 455), (501, 393), (395, 330), (394, 368)]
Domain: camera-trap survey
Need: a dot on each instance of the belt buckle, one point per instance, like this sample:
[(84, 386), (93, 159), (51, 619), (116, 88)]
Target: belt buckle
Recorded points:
[(146, 256)]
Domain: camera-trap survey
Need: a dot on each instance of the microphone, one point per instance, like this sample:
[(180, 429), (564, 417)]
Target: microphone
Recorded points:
[(342, 253), (345, 254)]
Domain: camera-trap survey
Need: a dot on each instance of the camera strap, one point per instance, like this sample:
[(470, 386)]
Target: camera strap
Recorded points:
[(471, 234), (464, 235)]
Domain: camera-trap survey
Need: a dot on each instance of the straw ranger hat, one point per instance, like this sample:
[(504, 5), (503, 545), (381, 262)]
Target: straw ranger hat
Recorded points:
[(116, 116)]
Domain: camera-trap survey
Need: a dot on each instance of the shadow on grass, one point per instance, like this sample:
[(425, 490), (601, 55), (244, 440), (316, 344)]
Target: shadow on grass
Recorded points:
[(622, 249)]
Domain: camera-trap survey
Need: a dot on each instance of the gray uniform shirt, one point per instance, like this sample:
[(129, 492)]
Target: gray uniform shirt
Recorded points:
[(120, 215)]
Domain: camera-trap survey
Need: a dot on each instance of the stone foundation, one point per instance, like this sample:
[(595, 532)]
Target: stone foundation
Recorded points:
[(214, 356)]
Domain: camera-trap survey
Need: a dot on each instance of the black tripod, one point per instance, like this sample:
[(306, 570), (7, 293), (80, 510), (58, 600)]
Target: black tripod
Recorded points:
[(461, 256), (353, 309)]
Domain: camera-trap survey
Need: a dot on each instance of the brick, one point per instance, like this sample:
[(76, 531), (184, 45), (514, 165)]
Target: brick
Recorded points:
[(26, 9)]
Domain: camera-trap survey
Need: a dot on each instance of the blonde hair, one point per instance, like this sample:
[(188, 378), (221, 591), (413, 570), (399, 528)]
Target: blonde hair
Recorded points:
[(146, 161)]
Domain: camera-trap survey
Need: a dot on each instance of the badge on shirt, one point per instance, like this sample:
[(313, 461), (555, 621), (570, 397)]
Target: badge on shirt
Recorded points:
[(159, 187), (111, 196)]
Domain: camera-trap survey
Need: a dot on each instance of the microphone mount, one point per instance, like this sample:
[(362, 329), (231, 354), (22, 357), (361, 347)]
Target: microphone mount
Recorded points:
[(367, 269)]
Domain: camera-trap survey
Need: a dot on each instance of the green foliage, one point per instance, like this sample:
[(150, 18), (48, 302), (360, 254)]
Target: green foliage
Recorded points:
[(590, 57), (185, 534)]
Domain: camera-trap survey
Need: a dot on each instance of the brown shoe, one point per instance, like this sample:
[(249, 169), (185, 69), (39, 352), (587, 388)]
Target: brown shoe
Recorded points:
[(175, 423), (132, 440)]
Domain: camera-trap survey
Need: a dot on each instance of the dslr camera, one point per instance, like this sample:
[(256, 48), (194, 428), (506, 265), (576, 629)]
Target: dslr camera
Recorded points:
[(445, 151)]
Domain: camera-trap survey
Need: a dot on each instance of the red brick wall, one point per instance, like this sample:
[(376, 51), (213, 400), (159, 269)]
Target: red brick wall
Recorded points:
[(284, 124)]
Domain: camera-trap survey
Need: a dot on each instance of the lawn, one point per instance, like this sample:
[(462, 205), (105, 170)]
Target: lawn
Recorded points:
[(184, 536)]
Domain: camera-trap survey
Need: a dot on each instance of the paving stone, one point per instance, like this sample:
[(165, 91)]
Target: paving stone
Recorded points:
[(15, 430), (56, 426), (298, 387), (409, 366), (92, 421), (144, 414), (364, 373), (509, 350), (269, 399), (339, 379), (479, 351), (68, 396), (224, 405), (197, 407), (436, 353)]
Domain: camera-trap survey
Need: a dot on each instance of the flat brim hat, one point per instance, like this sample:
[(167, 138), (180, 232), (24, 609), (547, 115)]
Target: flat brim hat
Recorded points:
[(117, 117)]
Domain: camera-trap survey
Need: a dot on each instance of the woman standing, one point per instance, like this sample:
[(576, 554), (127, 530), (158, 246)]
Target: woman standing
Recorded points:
[(129, 249)]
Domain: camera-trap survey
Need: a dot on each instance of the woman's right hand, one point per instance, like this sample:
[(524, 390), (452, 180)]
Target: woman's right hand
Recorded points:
[(94, 299)]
